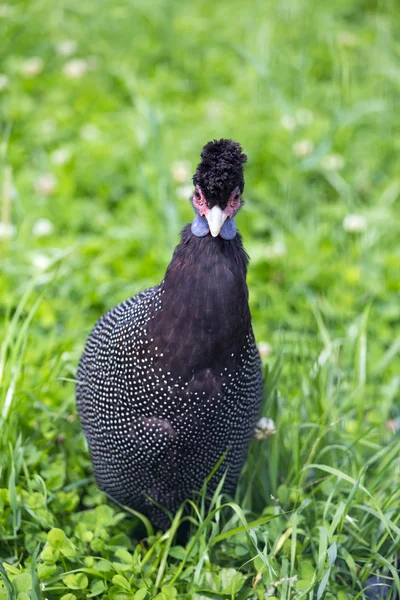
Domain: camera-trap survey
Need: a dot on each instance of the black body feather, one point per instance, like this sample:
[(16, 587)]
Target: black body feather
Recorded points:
[(170, 381)]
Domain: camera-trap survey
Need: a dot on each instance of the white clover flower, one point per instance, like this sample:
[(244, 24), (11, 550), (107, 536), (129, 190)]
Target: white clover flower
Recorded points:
[(45, 184), (67, 47), (42, 228), (303, 148), (3, 82), (32, 67), (6, 231), (75, 68), (48, 126), (184, 191), (288, 122), (304, 116), (265, 427), (333, 162), (5, 10), (89, 132), (275, 250), (60, 156), (181, 172), (214, 109), (41, 261), (264, 349), (354, 223), (347, 38), (352, 331)]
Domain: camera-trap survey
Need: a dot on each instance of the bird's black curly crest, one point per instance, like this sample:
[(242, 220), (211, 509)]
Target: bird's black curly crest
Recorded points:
[(220, 170)]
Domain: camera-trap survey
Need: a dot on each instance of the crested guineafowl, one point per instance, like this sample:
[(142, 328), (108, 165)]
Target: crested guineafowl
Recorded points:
[(170, 380)]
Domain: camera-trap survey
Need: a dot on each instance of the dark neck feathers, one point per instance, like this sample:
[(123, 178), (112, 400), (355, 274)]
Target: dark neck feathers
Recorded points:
[(205, 315), (208, 249)]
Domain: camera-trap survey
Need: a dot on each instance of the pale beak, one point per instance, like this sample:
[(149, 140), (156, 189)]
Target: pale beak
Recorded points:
[(215, 218)]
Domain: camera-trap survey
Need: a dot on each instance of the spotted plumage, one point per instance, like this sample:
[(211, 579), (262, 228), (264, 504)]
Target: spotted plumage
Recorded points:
[(170, 381)]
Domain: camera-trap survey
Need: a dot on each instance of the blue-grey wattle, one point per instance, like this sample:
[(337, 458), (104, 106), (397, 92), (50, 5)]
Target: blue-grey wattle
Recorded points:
[(200, 228), (228, 230)]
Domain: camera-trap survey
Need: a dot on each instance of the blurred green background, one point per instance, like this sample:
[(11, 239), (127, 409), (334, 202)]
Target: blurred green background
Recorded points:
[(104, 109), (99, 100)]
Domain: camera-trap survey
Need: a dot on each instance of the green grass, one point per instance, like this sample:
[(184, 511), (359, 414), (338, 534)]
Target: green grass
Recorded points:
[(317, 507)]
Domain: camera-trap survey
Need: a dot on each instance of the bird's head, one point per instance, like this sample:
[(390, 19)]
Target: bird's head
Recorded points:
[(219, 184)]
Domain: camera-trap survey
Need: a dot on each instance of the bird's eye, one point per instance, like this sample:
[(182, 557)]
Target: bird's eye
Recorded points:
[(199, 199)]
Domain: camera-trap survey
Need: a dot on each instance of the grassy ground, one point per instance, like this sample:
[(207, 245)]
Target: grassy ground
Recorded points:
[(93, 199)]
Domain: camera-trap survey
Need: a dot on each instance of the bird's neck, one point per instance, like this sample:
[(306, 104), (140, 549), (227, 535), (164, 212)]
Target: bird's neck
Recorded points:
[(210, 252), (204, 300)]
